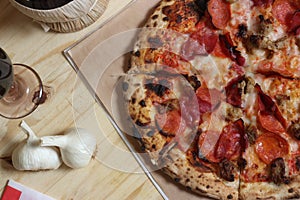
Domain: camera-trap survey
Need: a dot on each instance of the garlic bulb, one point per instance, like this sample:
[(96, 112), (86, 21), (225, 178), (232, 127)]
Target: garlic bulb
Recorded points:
[(29, 155), (76, 146)]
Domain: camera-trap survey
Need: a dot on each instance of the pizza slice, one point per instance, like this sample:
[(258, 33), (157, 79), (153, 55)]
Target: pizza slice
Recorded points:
[(166, 112), (269, 164)]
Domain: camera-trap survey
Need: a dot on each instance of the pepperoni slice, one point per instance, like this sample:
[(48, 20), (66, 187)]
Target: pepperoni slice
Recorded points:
[(190, 110), (218, 51), (231, 141), (201, 42), (170, 123), (230, 50), (219, 11), (269, 68), (208, 99), (262, 2), (206, 35), (270, 123), (207, 144), (268, 107), (233, 92), (270, 146), (228, 144), (172, 61), (191, 48), (283, 10), (295, 22)]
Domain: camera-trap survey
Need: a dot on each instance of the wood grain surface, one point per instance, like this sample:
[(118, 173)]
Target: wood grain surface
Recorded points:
[(68, 105)]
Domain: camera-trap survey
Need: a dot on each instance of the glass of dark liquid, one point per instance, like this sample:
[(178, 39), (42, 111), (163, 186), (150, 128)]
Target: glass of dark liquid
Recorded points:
[(43, 4), (21, 88)]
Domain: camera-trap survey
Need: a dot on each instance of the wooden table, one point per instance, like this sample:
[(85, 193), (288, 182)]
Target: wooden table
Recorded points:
[(26, 42)]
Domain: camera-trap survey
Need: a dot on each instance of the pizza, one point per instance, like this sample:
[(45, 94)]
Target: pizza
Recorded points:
[(213, 93)]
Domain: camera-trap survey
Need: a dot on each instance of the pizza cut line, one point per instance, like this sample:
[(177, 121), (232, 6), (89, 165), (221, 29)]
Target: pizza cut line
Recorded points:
[(213, 92)]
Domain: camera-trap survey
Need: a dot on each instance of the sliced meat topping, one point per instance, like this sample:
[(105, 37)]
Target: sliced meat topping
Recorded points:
[(170, 122), (190, 109), (270, 123), (208, 99), (297, 163), (200, 42), (172, 63), (298, 42), (269, 115), (294, 25), (262, 2), (207, 145), (234, 91), (219, 11), (282, 69), (230, 50), (231, 142), (283, 10), (270, 146), (228, 144)]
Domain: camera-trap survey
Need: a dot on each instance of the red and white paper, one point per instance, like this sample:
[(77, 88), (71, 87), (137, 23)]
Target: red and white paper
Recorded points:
[(15, 191)]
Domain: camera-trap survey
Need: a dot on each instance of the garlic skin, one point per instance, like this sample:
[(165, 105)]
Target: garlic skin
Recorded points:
[(29, 155), (76, 146)]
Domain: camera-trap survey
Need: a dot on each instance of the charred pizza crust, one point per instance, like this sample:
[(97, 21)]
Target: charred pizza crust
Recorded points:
[(267, 190), (249, 71), (200, 181), (165, 151)]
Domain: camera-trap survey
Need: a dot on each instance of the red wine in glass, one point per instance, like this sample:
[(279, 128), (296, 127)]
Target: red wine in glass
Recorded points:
[(43, 4), (6, 74), (21, 89)]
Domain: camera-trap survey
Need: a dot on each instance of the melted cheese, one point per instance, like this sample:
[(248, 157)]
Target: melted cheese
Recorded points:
[(277, 33), (254, 168), (135, 85), (214, 71), (241, 13), (249, 105)]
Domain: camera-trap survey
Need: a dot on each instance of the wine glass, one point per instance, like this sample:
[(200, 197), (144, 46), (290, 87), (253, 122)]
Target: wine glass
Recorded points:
[(21, 88), (43, 4)]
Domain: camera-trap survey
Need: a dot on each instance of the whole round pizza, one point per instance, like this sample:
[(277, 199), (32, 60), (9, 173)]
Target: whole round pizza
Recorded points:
[(213, 91)]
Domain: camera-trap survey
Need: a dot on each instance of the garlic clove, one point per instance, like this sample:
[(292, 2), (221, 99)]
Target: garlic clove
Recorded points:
[(35, 158), (76, 146), (29, 155)]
